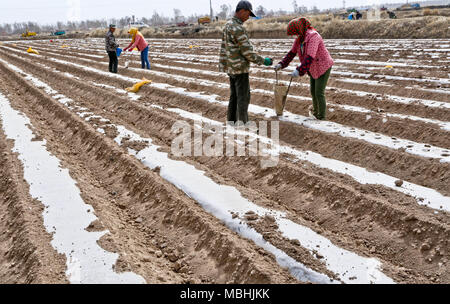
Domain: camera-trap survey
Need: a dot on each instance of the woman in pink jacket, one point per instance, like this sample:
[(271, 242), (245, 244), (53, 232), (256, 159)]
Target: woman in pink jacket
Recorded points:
[(315, 60), (138, 41)]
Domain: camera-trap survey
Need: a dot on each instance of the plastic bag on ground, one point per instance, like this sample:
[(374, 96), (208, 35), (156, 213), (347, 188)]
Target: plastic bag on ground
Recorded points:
[(31, 51), (137, 86)]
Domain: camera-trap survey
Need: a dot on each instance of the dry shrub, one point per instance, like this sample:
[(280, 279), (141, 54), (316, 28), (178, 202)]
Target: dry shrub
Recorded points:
[(98, 32), (329, 26), (430, 12), (149, 31)]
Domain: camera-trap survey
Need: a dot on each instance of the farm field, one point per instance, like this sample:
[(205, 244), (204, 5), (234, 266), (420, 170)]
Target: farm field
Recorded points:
[(90, 192)]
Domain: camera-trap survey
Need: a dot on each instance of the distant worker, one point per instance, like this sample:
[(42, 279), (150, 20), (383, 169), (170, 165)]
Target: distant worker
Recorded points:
[(236, 53), (111, 48), (392, 15), (358, 15), (315, 60), (138, 40)]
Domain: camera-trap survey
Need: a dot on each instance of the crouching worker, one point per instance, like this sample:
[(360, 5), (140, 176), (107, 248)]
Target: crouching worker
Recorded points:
[(236, 53), (315, 60), (138, 40), (111, 48)]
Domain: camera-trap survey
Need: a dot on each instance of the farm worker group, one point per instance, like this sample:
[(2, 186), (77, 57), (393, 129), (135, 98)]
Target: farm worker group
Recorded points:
[(236, 54), (137, 41)]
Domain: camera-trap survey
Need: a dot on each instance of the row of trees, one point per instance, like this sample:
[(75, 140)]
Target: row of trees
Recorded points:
[(17, 28), (157, 19), (226, 11)]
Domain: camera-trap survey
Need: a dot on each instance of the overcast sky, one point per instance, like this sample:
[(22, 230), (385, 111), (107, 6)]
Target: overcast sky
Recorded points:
[(51, 11)]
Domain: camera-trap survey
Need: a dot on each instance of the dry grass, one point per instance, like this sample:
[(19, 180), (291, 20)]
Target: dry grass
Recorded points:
[(335, 28), (430, 12), (331, 27), (421, 27)]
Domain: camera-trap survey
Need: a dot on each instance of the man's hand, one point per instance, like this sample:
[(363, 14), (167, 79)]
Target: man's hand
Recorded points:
[(268, 61), (295, 74), (278, 67)]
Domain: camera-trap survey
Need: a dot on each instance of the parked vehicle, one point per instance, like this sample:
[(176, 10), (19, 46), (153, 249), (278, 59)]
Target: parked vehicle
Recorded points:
[(59, 33), (406, 7), (138, 25), (204, 20), (28, 34)]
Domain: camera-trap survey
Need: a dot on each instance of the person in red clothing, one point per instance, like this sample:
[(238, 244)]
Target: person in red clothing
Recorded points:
[(139, 42), (315, 61)]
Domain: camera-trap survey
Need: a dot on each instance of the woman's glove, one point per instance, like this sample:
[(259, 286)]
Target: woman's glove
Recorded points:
[(295, 74), (278, 67), (268, 61)]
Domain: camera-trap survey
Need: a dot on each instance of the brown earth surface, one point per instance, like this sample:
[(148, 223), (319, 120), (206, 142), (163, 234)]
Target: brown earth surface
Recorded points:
[(165, 235)]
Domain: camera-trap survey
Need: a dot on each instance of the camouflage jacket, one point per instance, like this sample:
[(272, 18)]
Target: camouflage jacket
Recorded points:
[(236, 52), (110, 42)]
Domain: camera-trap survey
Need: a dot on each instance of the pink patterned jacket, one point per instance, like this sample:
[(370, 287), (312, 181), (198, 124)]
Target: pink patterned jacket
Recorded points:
[(139, 42), (314, 47)]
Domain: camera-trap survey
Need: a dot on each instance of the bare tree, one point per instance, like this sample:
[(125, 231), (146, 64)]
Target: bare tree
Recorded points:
[(59, 25), (224, 9), (178, 16), (8, 28), (231, 12), (281, 12), (157, 19), (270, 13), (260, 11), (295, 5)]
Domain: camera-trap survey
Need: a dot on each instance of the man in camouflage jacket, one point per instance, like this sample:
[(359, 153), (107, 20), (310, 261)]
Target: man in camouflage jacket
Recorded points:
[(111, 47), (236, 53)]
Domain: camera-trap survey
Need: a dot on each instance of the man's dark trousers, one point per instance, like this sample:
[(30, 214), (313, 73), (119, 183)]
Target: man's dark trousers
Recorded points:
[(113, 62), (239, 98)]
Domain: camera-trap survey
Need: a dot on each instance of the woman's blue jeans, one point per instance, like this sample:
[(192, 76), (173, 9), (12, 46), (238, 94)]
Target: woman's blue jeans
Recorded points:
[(144, 59)]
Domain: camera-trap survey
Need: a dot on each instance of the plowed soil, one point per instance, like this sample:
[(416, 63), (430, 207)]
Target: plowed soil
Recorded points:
[(394, 88)]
